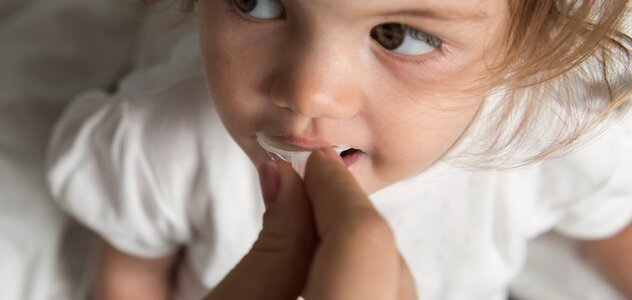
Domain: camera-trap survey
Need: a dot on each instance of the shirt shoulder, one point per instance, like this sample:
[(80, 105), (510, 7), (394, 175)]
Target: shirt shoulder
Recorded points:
[(130, 165), (587, 194)]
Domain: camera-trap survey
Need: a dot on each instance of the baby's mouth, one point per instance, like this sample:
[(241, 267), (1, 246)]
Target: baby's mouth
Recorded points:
[(298, 156)]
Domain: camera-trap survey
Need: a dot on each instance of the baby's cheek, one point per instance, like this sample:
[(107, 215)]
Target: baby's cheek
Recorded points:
[(408, 150)]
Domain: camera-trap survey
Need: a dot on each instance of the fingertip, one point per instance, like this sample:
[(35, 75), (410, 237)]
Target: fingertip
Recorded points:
[(287, 172), (291, 185), (270, 180), (322, 157), (277, 180), (330, 154), (325, 165), (326, 176)]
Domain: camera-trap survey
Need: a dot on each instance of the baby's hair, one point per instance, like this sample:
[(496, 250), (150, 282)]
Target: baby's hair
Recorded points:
[(567, 63)]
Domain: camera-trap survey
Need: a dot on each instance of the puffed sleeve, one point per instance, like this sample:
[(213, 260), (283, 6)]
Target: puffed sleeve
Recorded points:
[(126, 165), (608, 208), (590, 190)]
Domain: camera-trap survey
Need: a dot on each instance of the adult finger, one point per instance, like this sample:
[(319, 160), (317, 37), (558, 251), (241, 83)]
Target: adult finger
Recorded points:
[(356, 257), (277, 265), (335, 195), (407, 286)]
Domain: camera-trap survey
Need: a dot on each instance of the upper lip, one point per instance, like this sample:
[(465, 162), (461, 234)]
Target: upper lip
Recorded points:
[(303, 142)]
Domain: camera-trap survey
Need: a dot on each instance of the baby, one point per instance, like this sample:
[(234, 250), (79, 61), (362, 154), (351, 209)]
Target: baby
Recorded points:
[(416, 95)]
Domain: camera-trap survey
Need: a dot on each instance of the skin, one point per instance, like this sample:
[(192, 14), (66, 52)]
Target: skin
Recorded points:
[(348, 234), (317, 73), (122, 276), (341, 87), (613, 257)]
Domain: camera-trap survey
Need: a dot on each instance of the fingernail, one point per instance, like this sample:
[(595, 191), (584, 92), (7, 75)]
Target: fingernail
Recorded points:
[(332, 155), (270, 180)]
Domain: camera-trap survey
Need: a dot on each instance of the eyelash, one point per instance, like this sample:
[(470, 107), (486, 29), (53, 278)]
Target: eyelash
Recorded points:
[(439, 50), (419, 35), (232, 10)]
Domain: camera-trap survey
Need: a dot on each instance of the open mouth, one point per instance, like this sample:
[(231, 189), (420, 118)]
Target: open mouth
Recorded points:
[(297, 156), (350, 156)]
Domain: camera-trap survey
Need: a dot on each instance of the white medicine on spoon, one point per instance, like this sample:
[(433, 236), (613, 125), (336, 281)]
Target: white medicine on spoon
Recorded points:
[(297, 158)]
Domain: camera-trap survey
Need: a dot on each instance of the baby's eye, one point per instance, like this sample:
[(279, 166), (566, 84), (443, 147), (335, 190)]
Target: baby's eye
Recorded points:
[(404, 40), (261, 9)]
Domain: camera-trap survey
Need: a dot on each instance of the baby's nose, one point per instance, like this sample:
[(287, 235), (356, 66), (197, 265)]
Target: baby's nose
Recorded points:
[(314, 82)]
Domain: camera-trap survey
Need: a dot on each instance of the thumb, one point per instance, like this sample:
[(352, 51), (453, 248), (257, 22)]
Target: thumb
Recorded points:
[(357, 257), (277, 265), (335, 194)]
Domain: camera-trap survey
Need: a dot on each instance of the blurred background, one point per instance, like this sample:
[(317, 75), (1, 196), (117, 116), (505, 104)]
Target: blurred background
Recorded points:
[(50, 51)]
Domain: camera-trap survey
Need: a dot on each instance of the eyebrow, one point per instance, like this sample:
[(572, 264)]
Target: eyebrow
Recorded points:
[(442, 14)]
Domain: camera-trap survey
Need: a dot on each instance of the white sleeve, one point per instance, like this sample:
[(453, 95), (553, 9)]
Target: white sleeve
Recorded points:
[(607, 207), (104, 173), (127, 165)]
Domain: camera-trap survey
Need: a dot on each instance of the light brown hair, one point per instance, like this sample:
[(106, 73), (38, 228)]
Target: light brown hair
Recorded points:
[(567, 63)]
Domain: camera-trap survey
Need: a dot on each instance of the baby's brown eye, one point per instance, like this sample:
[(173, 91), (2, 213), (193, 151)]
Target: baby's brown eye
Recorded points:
[(261, 9), (404, 40), (246, 5), (390, 36)]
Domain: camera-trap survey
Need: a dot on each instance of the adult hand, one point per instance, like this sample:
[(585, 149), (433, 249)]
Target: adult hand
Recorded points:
[(322, 239)]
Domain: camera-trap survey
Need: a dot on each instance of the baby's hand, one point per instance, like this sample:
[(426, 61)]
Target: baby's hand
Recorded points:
[(321, 238)]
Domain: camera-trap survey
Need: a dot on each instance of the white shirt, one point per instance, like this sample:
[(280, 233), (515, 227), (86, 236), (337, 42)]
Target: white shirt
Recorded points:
[(152, 169)]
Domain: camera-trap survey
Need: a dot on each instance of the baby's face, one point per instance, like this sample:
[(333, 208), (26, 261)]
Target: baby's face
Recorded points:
[(390, 78)]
